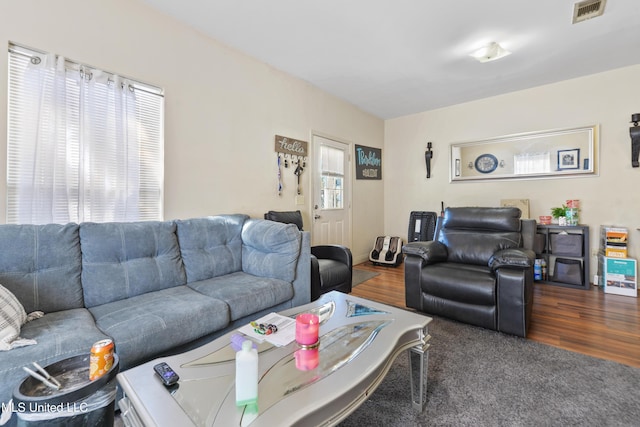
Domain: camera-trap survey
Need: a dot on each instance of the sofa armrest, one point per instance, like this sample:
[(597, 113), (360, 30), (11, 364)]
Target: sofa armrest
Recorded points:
[(516, 258), (431, 252)]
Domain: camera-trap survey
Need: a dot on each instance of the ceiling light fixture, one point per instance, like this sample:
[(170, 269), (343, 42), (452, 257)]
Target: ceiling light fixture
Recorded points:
[(490, 52)]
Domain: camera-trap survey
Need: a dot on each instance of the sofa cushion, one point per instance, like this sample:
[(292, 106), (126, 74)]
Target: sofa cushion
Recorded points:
[(270, 249), (122, 260), (245, 294), (211, 246), (59, 335), (41, 265), (145, 325)]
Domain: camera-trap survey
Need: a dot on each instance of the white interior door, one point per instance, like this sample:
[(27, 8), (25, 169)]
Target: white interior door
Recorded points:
[(331, 192)]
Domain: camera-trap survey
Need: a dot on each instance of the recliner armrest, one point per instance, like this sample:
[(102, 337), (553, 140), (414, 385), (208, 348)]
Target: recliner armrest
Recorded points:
[(516, 258), (335, 252), (315, 278), (431, 251)]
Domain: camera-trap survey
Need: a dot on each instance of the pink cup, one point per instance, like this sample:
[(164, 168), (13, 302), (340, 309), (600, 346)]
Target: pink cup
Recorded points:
[(307, 328)]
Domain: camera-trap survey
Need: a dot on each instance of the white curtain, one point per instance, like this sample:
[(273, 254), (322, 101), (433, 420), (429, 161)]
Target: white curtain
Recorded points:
[(77, 155), (43, 148), (109, 152)]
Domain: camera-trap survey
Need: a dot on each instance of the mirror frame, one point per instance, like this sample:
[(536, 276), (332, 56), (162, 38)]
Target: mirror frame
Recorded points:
[(552, 138)]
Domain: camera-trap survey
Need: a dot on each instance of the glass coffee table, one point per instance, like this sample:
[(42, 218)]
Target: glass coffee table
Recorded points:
[(359, 340)]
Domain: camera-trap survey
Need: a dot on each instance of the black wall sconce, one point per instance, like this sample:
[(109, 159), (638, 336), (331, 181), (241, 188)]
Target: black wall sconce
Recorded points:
[(635, 140), (428, 155)]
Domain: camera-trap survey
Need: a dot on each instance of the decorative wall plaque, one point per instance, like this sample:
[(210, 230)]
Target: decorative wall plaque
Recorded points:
[(291, 146), (368, 162)]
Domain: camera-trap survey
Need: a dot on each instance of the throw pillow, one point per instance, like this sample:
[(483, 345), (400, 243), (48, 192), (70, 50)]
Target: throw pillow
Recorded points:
[(12, 317)]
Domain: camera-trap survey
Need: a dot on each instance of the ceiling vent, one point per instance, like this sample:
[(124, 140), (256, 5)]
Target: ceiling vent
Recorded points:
[(588, 9)]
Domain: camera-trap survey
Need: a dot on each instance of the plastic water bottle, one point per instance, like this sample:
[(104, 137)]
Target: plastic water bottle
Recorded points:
[(537, 270), (247, 375)]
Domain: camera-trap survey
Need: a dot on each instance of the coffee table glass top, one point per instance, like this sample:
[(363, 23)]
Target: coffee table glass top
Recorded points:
[(211, 394)]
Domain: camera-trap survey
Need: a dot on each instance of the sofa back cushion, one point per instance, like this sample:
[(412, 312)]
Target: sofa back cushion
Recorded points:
[(124, 259), (41, 265), (270, 249), (211, 246), (472, 235)]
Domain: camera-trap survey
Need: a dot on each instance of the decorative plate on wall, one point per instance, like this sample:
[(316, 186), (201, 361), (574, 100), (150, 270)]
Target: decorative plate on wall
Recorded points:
[(486, 163)]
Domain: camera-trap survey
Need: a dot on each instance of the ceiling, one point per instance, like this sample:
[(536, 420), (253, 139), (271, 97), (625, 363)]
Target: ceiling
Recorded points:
[(397, 57)]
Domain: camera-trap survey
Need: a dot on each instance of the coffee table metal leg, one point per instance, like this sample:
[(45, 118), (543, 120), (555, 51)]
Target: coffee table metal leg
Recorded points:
[(419, 366)]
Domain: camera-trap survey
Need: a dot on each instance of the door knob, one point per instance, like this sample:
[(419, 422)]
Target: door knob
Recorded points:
[(316, 216)]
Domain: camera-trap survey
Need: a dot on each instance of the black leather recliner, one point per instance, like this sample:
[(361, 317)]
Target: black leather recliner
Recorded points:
[(331, 265), (477, 270)]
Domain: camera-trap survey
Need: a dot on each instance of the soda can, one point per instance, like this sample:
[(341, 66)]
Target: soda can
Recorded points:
[(101, 359)]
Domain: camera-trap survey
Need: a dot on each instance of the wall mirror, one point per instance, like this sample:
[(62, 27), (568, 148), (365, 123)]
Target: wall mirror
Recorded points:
[(532, 155)]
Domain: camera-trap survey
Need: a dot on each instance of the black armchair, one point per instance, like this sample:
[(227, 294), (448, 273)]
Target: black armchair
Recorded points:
[(331, 265), (477, 270)]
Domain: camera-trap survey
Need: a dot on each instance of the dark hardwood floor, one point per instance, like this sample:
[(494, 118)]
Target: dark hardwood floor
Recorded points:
[(586, 321)]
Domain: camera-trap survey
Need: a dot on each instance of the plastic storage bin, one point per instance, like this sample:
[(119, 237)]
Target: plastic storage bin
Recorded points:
[(80, 401), (566, 244), (568, 271)]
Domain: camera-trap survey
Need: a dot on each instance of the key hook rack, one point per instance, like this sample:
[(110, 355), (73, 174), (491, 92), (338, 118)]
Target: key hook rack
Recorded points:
[(291, 152)]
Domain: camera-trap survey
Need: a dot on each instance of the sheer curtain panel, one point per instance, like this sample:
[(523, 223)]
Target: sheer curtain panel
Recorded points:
[(83, 144)]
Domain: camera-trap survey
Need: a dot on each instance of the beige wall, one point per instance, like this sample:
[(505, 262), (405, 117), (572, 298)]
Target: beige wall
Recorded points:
[(612, 198), (222, 108)]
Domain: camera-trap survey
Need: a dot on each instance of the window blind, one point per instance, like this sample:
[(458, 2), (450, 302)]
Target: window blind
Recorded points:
[(83, 144)]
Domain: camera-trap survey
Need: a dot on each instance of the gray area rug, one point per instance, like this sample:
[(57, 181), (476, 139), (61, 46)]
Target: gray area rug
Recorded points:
[(359, 276), (484, 378)]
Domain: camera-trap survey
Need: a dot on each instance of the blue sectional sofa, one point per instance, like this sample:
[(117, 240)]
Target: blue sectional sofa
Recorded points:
[(155, 288)]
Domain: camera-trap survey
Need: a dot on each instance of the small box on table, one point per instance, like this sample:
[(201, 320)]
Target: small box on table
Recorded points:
[(617, 236), (615, 251)]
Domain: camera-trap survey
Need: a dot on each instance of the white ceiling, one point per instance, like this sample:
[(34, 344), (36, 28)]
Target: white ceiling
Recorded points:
[(397, 57)]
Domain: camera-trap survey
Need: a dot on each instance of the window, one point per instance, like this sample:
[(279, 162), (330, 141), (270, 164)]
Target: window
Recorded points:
[(332, 191), (83, 144), (530, 163)]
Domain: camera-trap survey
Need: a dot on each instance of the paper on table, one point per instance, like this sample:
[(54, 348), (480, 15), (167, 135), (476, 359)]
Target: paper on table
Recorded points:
[(286, 330)]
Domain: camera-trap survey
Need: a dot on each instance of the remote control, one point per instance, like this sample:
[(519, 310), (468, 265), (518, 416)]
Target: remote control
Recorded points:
[(166, 374)]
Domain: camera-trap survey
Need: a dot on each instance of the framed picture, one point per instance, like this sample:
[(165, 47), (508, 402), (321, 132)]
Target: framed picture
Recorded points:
[(569, 159)]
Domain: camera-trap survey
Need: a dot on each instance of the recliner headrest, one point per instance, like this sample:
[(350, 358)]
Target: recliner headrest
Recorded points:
[(287, 217), (483, 218)]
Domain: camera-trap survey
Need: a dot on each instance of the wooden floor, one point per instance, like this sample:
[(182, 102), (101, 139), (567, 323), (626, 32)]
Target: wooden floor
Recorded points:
[(586, 321)]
